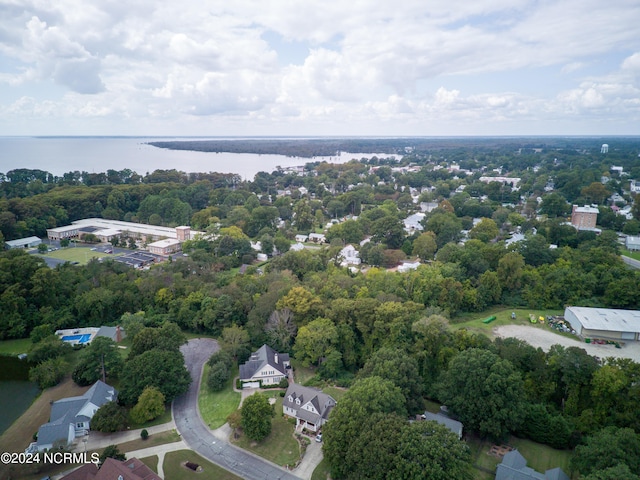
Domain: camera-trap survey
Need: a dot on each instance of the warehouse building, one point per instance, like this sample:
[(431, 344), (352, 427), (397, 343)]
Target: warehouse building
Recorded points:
[(604, 322), (28, 242)]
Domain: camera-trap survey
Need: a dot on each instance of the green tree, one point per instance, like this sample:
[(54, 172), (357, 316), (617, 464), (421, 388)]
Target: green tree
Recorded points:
[(235, 341), (159, 368), (485, 231), (112, 451), (510, 271), (485, 392), (150, 405), (110, 418), (554, 205), (100, 356), (280, 329), (218, 375), (48, 348), (425, 246), (608, 448), (398, 366), (366, 397), (388, 230), (49, 372), (315, 340), (256, 417), (446, 226), (168, 337)]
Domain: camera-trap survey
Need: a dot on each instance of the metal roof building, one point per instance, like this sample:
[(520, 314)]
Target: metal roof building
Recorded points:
[(604, 322), (23, 242)]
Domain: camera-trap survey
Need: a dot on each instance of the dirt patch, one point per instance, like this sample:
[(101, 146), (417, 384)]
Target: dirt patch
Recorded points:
[(539, 337)]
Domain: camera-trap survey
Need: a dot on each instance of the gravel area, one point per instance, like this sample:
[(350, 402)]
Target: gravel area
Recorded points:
[(545, 338)]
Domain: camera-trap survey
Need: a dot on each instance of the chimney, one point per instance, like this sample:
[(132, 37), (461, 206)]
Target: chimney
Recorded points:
[(275, 357), (118, 334)]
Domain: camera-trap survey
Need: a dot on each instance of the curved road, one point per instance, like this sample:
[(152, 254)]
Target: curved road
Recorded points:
[(197, 435)]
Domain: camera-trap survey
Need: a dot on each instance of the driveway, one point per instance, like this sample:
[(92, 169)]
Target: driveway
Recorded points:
[(197, 435)]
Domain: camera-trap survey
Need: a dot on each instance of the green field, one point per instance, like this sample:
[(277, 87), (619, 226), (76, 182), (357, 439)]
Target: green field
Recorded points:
[(82, 255), (15, 347), (174, 468), (628, 253), (473, 321), (215, 407)]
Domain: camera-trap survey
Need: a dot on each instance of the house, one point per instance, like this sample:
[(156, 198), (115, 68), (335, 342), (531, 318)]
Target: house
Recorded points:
[(111, 469), (301, 238), (632, 243), (453, 425), (28, 242), (407, 266), (514, 467), (584, 218), (412, 223), (296, 247), (310, 407), (70, 417), (317, 238), (610, 323), (349, 256), (264, 367), (634, 186)]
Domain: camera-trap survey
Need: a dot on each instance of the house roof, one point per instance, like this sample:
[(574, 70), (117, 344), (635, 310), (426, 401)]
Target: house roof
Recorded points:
[(322, 402), (111, 469), (262, 357), (609, 319), (514, 467), (453, 425), (22, 241), (110, 332), (65, 411)]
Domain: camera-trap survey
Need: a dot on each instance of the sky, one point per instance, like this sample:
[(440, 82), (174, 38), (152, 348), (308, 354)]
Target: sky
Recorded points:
[(325, 68)]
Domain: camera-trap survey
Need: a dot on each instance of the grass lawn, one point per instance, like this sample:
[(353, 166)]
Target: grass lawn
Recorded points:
[(335, 392), (161, 438), (215, 407), (300, 373), (473, 321), (628, 253), (82, 255), (539, 457), (15, 347), (151, 462), (280, 446), (322, 471), (174, 470), (164, 418)]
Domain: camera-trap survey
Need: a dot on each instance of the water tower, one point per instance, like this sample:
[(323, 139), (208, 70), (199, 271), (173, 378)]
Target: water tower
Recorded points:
[(605, 148)]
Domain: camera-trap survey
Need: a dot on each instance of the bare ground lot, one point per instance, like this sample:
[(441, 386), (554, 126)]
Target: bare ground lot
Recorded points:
[(539, 337)]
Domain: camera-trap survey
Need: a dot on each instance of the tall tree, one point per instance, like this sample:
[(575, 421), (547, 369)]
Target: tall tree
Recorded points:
[(256, 417)]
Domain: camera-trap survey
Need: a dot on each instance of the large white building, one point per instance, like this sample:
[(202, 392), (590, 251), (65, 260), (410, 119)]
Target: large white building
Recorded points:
[(604, 322)]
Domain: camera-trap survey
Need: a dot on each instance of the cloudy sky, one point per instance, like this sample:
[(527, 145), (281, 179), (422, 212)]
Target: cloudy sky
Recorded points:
[(306, 67)]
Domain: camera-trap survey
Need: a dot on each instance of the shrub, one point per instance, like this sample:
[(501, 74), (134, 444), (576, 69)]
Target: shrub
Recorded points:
[(144, 434), (284, 383), (218, 376)]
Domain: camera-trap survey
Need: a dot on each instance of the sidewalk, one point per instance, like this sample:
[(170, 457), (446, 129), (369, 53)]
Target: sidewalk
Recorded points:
[(160, 451), (96, 440)]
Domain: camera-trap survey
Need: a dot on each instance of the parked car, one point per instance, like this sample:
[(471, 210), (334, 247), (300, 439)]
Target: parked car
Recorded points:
[(319, 437)]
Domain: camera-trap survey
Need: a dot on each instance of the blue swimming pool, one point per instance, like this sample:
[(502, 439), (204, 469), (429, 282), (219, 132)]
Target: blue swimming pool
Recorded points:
[(80, 339)]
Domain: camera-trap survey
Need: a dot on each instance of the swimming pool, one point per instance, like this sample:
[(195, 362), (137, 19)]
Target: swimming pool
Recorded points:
[(79, 339)]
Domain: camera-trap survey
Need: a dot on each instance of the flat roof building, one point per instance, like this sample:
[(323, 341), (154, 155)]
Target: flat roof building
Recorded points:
[(604, 322), (28, 242), (584, 218)]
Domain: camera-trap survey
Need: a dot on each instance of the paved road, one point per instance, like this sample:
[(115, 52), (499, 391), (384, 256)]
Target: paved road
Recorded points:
[(197, 435), (631, 262)]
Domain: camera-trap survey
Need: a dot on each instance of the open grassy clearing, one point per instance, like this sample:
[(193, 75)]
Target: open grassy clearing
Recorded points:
[(280, 446), (628, 253), (473, 321), (15, 347), (154, 440), (174, 470), (82, 255), (322, 471), (335, 392), (301, 374), (151, 462), (215, 407)]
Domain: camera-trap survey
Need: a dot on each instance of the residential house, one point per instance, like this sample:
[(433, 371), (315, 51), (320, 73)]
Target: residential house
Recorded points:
[(111, 469), (310, 407), (514, 467), (301, 238), (453, 425), (264, 367), (296, 247), (634, 186), (407, 266), (632, 243), (317, 238), (71, 417), (412, 223), (349, 256)]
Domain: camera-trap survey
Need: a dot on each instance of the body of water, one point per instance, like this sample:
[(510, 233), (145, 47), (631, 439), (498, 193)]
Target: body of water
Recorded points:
[(59, 155), (16, 391)]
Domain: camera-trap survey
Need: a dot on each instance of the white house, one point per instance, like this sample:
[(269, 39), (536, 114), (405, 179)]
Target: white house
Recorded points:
[(301, 238), (412, 223), (71, 417), (407, 266), (310, 407), (317, 238), (632, 243), (634, 186), (264, 367), (349, 256)]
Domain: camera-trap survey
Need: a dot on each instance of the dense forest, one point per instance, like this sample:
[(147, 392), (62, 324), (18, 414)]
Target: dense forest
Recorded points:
[(353, 326)]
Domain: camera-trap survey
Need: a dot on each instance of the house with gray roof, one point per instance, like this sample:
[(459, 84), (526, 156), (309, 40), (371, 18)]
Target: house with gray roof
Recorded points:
[(70, 417), (514, 467), (453, 425), (310, 407), (264, 367)]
